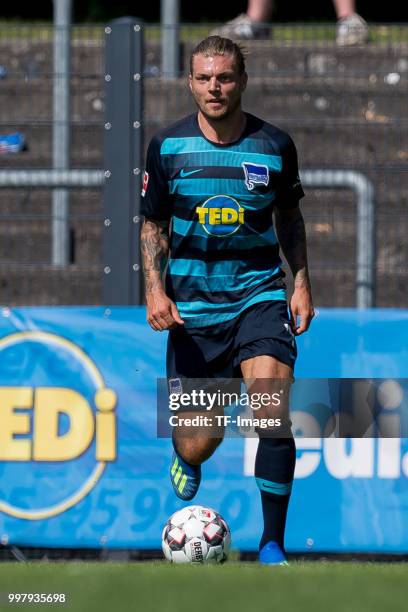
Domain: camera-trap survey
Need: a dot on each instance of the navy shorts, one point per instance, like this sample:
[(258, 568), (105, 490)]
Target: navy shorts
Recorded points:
[(217, 351)]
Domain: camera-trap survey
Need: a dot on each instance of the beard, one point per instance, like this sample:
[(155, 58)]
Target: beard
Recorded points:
[(223, 113)]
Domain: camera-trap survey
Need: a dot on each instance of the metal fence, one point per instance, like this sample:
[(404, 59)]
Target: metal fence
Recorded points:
[(29, 270), (344, 107)]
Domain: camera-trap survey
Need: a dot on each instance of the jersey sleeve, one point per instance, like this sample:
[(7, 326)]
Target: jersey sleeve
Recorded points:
[(156, 201), (290, 188)]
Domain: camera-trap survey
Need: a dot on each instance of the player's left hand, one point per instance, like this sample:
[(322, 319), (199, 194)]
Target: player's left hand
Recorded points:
[(301, 307)]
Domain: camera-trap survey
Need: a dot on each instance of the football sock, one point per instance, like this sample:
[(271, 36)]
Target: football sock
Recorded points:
[(184, 477), (274, 470)]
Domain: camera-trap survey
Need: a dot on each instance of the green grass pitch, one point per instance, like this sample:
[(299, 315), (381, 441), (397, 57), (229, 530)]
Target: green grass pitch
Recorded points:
[(233, 587)]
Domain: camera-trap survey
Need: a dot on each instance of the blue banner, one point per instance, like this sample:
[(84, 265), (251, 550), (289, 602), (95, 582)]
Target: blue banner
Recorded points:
[(81, 466)]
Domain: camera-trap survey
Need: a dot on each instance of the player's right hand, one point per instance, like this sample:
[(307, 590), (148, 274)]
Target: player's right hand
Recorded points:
[(162, 313)]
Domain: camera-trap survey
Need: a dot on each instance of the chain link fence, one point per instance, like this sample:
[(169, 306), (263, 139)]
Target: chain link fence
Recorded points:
[(344, 107), (27, 275)]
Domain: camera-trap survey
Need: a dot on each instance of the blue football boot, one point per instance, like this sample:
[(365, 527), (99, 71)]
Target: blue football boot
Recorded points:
[(184, 477), (272, 554)]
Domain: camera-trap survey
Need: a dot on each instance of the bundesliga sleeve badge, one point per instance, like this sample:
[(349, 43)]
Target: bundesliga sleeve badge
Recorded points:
[(145, 183)]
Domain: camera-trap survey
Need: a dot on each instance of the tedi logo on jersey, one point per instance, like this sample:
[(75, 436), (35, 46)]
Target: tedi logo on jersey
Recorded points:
[(220, 215), (255, 174)]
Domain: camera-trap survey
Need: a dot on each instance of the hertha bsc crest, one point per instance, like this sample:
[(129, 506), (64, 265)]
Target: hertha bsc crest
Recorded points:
[(255, 174)]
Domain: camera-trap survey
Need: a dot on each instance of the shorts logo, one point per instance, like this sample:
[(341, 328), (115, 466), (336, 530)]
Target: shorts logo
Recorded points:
[(255, 174), (145, 183), (289, 330), (296, 183), (175, 386), (220, 215)]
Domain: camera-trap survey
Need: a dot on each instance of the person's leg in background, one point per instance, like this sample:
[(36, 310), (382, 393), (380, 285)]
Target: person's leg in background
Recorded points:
[(351, 27), (250, 25), (260, 11)]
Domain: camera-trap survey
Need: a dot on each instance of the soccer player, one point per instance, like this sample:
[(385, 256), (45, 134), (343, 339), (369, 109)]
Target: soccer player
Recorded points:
[(216, 178)]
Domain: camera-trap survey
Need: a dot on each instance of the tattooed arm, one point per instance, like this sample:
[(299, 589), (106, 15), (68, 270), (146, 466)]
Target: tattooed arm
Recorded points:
[(290, 229), (162, 313)]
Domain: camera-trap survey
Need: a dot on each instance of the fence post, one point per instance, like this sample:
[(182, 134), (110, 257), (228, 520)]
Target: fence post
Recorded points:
[(366, 231), (123, 161), (61, 129), (170, 46)]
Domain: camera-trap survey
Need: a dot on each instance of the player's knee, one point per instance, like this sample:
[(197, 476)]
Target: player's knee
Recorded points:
[(277, 428), (196, 450)]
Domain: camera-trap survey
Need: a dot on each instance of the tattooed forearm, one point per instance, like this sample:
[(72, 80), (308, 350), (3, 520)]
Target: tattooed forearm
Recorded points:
[(290, 229), (154, 242)]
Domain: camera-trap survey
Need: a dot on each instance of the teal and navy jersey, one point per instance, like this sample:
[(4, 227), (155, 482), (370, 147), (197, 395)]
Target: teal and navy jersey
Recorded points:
[(224, 254)]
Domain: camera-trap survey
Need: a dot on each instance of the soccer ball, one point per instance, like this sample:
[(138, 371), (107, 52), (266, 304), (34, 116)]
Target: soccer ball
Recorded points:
[(196, 535)]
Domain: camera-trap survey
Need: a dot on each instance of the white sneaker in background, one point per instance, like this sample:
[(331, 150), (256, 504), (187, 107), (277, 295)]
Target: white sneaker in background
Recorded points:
[(352, 30), (243, 28)]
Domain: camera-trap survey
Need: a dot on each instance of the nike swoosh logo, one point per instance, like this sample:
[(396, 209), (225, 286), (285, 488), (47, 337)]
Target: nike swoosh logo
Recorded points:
[(184, 174)]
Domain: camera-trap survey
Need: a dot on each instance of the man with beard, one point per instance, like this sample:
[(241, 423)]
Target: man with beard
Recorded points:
[(216, 178)]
